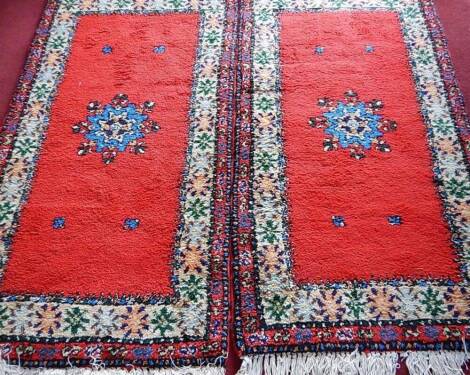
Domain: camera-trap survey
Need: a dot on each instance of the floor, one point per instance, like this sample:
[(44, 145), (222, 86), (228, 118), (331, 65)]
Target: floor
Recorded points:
[(18, 20)]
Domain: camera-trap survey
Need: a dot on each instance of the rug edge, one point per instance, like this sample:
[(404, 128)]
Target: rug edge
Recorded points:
[(17, 102), (371, 363), (437, 36), (9, 369), (458, 105)]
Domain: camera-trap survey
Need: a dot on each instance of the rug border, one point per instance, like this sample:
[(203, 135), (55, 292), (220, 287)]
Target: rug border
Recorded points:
[(438, 37), (25, 82), (215, 345)]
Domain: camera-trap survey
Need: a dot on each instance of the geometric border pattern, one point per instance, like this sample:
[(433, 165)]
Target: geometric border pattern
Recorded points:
[(378, 326), (188, 326), (274, 310)]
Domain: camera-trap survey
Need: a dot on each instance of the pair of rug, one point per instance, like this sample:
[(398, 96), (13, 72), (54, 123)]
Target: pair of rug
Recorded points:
[(295, 170)]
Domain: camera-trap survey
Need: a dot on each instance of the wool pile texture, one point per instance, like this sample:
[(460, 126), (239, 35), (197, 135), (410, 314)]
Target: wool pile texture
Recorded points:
[(290, 174), (352, 191), (114, 196)]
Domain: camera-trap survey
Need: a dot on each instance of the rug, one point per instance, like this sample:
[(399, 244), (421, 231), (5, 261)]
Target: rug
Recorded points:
[(352, 191), (114, 193)]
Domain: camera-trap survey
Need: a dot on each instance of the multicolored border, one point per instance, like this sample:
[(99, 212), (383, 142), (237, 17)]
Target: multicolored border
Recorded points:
[(25, 82), (455, 97), (157, 349), (258, 334)]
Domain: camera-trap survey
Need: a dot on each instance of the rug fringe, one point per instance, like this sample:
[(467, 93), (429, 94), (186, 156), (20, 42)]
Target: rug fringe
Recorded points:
[(436, 363), (7, 369), (355, 363), (321, 364)]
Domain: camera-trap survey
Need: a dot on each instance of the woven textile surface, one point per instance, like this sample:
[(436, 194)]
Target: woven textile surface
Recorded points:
[(352, 191), (114, 189), (295, 171)]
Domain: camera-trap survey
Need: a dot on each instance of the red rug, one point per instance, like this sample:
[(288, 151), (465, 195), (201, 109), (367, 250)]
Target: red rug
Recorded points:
[(366, 266), (352, 191), (116, 165)]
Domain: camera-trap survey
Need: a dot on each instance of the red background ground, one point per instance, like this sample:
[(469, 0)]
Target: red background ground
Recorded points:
[(365, 192), (18, 20), (144, 186)]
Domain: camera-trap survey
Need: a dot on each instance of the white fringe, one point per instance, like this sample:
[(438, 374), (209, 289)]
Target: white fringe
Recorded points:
[(436, 363), (321, 364), (355, 363), (6, 369)]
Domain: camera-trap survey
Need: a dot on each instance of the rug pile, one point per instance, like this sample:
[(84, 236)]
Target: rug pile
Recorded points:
[(294, 170), (115, 190), (353, 191)]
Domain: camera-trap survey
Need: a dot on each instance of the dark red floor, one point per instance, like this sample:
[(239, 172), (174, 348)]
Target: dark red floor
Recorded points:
[(18, 20)]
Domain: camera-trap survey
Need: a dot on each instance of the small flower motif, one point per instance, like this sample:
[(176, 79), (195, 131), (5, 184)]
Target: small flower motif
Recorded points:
[(395, 220), (163, 320), (383, 303), (76, 320), (143, 352), (193, 259), (431, 332), (192, 322), (47, 319), (303, 335), (319, 50), (107, 49), (18, 319), (388, 334), (135, 321), (192, 288), (159, 49), (104, 322), (338, 221), (278, 307), (131, 223), (58, 222), (369, 48)]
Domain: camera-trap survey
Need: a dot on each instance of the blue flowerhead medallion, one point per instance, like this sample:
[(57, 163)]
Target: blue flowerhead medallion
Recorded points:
[(115, 127), (353, 124)]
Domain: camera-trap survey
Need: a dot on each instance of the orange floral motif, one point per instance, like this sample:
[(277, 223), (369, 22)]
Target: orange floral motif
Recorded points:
[(135, 321), (48, 319)]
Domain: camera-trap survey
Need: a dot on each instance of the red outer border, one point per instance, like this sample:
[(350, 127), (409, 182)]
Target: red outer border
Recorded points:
[(65, 352), (252, 336)]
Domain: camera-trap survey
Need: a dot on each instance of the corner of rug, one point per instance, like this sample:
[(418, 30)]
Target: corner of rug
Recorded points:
[(374, 363)]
